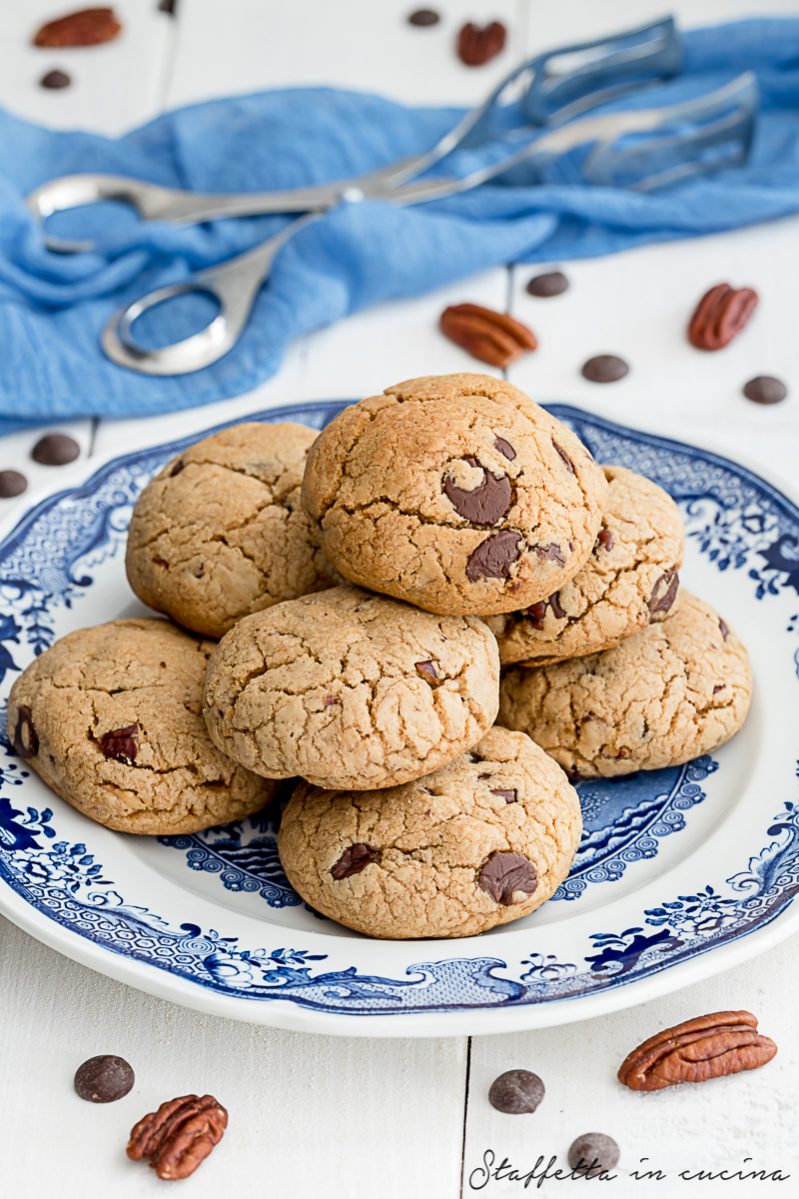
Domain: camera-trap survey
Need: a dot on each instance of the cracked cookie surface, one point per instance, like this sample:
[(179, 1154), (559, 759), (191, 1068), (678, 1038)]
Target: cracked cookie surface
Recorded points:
[(629, 580), (220, 531), (456, 493), (675, 690), (350, 689), (111, 718), (480, 842)]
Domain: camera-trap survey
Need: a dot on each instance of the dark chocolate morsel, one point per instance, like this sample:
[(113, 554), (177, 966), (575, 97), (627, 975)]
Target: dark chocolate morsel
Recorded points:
[(494, 557), (26, 739), (564, 456), (120, 744), (765, 389), (423, 18), (354, 859), (55, 449), (554, 603), (504, 448), (552, 552), (329, 701), (12, 482), (604, 539), (724, 629), (516, 1092), (552, 283), (487, 503), (605, 368), (509, 794), (104, 1078), (427, 670), (503, 875), (55, 80), (664, 593), (177, 468), (592, 1153), (536, 613)]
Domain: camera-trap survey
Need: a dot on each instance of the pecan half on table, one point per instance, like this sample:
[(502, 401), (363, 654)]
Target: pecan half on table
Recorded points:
[(477, 46), (493, 337), (88, 27), (179, 1136), (707, 1047), (720, 316)]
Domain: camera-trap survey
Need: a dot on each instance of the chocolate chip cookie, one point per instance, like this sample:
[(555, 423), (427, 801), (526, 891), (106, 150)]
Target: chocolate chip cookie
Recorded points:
[(629, 580), (111, 719), (478, 843), (349, 689), (675, 690), (220, 532), (456, 493)]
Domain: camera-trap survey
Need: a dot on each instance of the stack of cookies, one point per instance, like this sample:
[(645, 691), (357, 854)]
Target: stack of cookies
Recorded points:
[(367, 587)]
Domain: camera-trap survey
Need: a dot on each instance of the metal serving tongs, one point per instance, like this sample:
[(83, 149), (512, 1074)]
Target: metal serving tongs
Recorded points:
[(552, 88), (665, 145)]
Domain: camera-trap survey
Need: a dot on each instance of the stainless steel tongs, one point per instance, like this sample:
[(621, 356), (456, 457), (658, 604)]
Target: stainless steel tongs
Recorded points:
[(642, 149)]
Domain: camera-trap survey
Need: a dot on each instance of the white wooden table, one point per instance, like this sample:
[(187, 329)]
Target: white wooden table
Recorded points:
[(313, 1116)]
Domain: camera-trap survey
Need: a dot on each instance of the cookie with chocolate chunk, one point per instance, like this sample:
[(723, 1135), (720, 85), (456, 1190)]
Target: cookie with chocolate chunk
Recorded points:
[(350, 689), (111, 718), (220, 532), (456, 493), (478, 843), (629, 580), (677, 689)]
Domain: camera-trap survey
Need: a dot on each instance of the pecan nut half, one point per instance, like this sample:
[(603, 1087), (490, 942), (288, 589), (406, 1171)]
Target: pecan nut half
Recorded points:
[(696, 1050), (477, 46), (88, 27), (720, 316), (179, 1136), (493, 337)]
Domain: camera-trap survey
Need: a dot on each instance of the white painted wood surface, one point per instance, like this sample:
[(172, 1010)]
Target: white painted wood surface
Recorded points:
[(312, 1116)]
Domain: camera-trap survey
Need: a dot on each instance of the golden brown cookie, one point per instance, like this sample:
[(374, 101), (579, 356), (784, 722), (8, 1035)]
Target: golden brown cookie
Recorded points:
[(456, 493), (629, 580), (349, 689), (110, 718), (220, 532), (675, 690), (478, 843)]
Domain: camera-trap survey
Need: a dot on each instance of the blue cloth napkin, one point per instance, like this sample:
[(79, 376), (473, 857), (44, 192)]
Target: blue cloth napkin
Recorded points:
[(53, 306)]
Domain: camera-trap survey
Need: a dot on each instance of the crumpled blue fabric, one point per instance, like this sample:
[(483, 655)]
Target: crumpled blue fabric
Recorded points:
[(53, 306)]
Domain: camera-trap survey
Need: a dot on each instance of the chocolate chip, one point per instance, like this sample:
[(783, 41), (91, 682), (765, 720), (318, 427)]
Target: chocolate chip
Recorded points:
[(55, 449), (12, 483), (423, 18), (604, 539), (553, 283), (504, 448), (552, 553), (564, 456), (516, 1092), (724, 628), (427, 670), (329, 701), (354, 859), (104, 1078), (487, 503), (509, 794), (503, 875), (494, 557), (177, 468), (536, 613), (120, 744), (25, 739), (605, 368), (664, 592), (765, 389), (555, 605), (55, 80), (168, 6), (718, 687), (592, 1153)]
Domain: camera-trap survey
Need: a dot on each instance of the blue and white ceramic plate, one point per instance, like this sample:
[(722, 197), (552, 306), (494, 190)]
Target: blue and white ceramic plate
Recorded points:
[(681, 873)]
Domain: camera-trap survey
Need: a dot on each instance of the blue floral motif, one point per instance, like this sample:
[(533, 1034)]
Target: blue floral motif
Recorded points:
[(738, 523)]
